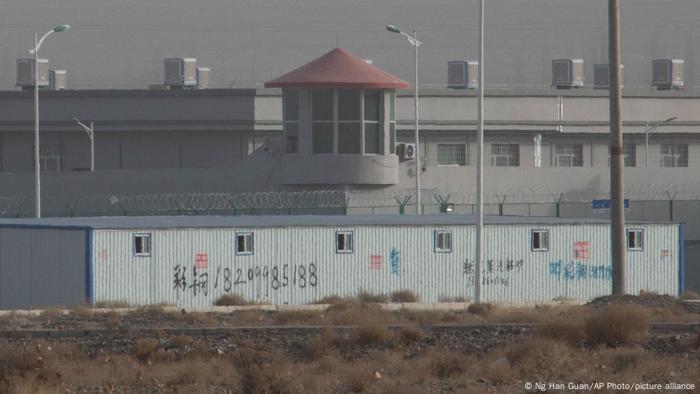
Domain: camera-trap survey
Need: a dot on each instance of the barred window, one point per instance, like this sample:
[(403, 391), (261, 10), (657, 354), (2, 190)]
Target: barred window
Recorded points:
[(343, 242), (505, 155), (635, 239), (244, 243), (50, 157), (539, 240), (674, 155), (142, 245), (452, 155), (443, 241), (568, 155)]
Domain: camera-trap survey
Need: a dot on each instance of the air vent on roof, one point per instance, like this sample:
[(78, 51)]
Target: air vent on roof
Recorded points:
[(180, 72), (462, 74), (667, 74), (567, 73), (25, 73), (57, 79), (203, 77), (601, 76)]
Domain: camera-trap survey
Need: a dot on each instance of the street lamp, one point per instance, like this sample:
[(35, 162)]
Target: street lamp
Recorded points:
[(37, 169), (91, 134), (647, 132), (414, 41)]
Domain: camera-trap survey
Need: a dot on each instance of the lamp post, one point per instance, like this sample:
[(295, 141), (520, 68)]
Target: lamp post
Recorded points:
[(91, 134), (37, 168), (479, 247), (414, 41), (648, 131)]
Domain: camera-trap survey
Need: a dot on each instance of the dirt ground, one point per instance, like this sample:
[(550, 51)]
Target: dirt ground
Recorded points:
[(356, 347)]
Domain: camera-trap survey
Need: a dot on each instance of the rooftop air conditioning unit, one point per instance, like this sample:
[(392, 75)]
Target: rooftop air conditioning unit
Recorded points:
[(567, 73), (462, 74), (203, 77), (180, 72), (406, 151), (601, 76), (57, 79), (667, 74), (25, 73)]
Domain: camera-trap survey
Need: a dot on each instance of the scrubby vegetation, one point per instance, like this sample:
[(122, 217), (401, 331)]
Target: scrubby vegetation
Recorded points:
[(357, 347)]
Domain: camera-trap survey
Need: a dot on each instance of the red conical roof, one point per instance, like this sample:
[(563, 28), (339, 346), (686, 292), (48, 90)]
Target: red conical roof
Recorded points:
[(338, 69)]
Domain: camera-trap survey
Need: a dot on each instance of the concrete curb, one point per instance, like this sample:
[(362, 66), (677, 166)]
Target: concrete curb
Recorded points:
[(414, 307)]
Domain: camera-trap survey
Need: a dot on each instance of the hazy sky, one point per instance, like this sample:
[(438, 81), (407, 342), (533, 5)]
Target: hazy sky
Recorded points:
[(121, 43)]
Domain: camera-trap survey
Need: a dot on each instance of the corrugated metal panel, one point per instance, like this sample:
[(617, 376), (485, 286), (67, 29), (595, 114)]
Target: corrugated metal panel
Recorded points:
[(300, 264), (42, 267)]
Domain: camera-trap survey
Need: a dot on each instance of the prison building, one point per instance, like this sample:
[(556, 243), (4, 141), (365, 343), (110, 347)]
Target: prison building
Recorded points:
[(191, 261)]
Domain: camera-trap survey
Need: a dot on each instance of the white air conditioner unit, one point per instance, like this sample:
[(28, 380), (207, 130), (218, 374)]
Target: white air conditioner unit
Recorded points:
[(406, 151), (180, 72), (203, 77), (25, 73), (667, 74), (601, 76), (567, 73), (462, 74), (57, 79)]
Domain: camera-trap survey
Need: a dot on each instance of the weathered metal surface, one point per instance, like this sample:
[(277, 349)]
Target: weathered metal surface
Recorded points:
[(42, 267), (300, 265)]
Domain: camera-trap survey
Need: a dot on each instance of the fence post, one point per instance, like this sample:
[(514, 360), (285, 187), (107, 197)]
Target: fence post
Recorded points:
[(670, 204), (500, 205), (561, 196)]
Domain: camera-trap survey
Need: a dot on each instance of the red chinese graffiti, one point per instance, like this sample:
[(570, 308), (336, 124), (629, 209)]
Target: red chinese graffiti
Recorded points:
[(582, 250), (375, 262), (201, 260)]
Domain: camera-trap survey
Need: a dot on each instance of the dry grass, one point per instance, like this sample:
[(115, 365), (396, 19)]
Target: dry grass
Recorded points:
[(371, 333), (118, 304), (298, 317), (542, 358), (404, 296), (357, 314), (481, 309), (409, 335), (195, 318), (453, 299), (232, 300), (332, 300), (181, 341), (367, 297), (145, 347), (690, 295), (445, 364), (367, 358), (618, 324), (563, 330)]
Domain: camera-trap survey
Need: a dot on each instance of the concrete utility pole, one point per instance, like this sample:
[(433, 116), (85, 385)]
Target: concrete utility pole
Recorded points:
[(479, 163), (617, 158)]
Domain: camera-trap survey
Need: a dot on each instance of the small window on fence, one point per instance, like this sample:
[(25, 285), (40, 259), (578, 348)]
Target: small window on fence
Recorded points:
[(635, 239), (142, 245), (244, 243), (443, 241), (343, 242), (540, 240)]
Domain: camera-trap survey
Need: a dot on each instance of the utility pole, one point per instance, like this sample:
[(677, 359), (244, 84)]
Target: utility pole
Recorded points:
[(617, 208), (479, 249)]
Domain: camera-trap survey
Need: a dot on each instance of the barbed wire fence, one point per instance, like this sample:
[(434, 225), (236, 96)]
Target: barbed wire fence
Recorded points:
[(532, 202)]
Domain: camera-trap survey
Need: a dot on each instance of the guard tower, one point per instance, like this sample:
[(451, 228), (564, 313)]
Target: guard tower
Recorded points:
[(339, 117)]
